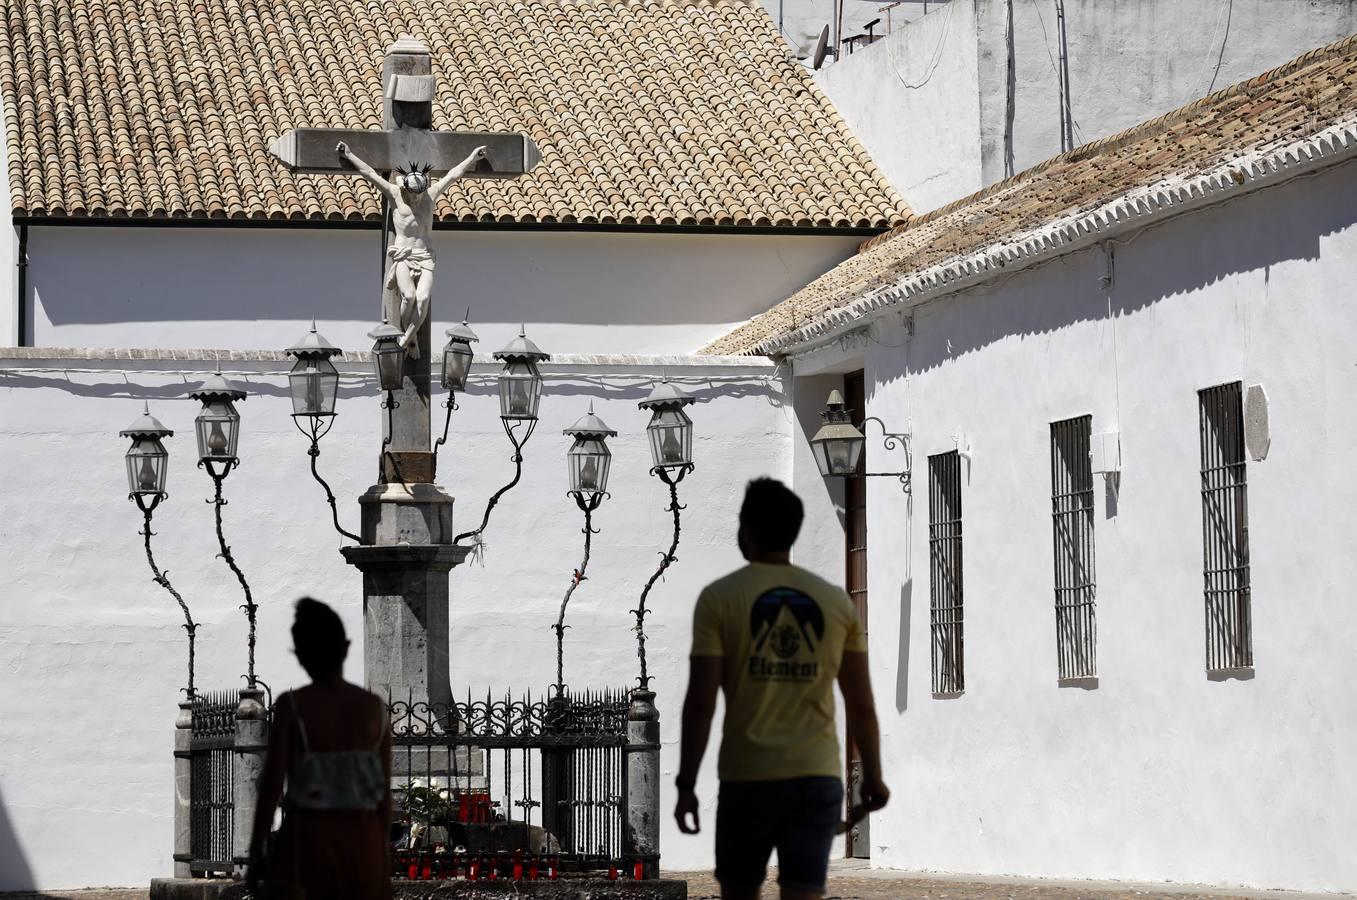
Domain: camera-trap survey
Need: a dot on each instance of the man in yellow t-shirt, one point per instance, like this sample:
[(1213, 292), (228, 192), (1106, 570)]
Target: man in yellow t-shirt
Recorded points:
[(775, 638)]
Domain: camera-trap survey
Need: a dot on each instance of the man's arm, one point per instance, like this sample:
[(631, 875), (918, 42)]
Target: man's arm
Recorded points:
[(856, 684), (387, 188), (456, 172), (699, 706)]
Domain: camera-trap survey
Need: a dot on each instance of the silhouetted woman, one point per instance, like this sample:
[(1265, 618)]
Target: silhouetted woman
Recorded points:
[(331, 744)]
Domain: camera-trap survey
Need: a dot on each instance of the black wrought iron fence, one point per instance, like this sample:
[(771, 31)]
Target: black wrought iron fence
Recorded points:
[(511, 789), (212, 768)]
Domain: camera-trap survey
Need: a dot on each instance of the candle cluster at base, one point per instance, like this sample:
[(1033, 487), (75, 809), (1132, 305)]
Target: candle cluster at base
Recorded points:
[(442, 864)]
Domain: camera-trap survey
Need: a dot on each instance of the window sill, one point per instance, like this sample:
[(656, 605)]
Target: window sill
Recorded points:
[(1084, 682), (1237, 673), (948, 695)]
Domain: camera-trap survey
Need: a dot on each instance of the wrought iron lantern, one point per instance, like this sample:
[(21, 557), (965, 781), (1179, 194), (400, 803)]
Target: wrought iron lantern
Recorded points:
[(147, 458), (218, 425), (457, 356), (589, 459), (388, 356), (838, 444), (670, 430), (520, 384), (314, 380)]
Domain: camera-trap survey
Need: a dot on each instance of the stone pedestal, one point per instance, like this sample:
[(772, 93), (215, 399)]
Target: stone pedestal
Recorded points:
[(183, 786), (641, 830), (251, 746), (407, 552)]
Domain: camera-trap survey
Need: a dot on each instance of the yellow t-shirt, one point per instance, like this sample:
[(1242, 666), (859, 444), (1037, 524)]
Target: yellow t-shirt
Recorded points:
[(782, 632)]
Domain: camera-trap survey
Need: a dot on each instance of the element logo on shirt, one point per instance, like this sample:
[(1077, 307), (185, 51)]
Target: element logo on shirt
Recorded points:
[(781, 622)]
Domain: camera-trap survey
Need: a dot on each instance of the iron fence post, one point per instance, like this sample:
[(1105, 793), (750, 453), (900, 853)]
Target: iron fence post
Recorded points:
[(183, 789), (641, 828), (251, 744)]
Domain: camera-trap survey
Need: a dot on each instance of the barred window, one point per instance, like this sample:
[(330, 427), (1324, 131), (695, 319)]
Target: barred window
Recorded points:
[(1076, 626), (944, 551), (1225, 529)]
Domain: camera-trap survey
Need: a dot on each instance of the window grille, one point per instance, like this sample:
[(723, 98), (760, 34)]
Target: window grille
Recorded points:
[(944, 551), (1225, 529), (1076, 625)]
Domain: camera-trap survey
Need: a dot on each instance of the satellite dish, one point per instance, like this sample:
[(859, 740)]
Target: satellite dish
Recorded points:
[(821, 48)]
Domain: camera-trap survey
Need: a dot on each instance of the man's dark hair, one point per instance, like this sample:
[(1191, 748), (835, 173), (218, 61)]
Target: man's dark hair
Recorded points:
[(318, 637), (771, 515)]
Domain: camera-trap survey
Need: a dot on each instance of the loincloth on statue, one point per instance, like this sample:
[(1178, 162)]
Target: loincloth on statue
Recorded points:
[(416, 261)]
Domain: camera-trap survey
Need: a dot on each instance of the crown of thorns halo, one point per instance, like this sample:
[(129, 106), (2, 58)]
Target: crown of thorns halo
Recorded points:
[(412, 167)]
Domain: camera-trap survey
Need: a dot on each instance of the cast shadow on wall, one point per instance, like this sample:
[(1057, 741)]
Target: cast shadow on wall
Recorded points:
[(15, 874), (902, 646)]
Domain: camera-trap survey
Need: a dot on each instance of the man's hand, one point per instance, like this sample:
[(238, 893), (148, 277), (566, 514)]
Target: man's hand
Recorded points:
[(342, 149), (687, 806), (874, 793)]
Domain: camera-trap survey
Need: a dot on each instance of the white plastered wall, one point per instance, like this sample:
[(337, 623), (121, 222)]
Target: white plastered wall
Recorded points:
[(1158, 773), (93, 651), (930, 101), (249, 288), (912, 99)]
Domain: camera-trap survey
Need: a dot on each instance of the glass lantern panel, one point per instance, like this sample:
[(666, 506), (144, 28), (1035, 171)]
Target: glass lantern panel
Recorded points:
[(843, 454), (589, 462), (218, 426), (671, 438), (387, 361), (520, 390), (456, 365), (314, 383), (147, 467)]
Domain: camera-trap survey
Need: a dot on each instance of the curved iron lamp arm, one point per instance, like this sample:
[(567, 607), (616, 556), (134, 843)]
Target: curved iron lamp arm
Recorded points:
[(666, 560), (390, 404), (890, 441), (250, 607), (518, 473), (588, 507), (162, 579), (450, 404), (315, 434)]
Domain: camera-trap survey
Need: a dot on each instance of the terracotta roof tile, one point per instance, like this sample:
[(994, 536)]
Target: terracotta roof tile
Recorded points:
[(647, 111), (1293, 102)]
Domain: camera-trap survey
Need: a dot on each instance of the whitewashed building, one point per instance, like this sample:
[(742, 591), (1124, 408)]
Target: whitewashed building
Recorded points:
[(1111, 626), (1005, 84), (691, 176)]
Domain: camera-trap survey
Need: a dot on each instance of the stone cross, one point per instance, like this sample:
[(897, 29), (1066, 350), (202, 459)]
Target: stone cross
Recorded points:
[(407, 548), (406, 140)]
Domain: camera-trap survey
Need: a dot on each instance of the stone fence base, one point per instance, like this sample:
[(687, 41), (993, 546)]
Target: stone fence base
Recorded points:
[(565, 889)]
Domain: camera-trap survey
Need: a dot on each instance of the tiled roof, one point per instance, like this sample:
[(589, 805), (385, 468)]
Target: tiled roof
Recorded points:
[(648, 112), (1249, 133)]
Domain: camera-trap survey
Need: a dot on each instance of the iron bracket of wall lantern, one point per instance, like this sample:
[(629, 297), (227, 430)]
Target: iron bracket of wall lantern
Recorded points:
[(218, 501), (891, 441)]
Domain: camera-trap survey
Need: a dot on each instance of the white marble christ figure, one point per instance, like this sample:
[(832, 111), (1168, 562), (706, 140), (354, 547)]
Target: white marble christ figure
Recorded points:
[(410, 272)]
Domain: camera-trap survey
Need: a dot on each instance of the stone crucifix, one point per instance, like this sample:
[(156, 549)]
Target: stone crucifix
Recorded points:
[(407, 544), (425, 163)]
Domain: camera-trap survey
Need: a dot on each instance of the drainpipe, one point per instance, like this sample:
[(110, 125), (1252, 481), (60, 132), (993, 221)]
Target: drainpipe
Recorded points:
[(21, 298)]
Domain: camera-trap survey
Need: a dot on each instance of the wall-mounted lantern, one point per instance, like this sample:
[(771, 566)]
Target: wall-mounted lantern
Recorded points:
[(838, 445)]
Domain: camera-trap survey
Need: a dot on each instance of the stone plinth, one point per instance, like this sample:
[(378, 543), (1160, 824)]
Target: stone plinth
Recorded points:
[(405, 618)]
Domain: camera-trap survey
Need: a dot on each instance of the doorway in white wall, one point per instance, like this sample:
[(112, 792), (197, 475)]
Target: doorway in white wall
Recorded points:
[(855, 581)]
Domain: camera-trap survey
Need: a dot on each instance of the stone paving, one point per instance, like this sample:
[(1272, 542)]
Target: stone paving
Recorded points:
[(853, 883)]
